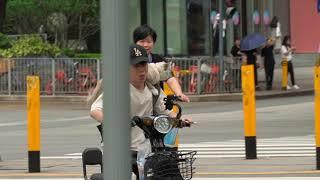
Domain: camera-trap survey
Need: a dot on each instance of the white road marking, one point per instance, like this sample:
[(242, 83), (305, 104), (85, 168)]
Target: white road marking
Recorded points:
[(46, 121), (231, 178)]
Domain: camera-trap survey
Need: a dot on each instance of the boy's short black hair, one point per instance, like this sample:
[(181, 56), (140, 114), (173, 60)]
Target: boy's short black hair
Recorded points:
[(142, 32)]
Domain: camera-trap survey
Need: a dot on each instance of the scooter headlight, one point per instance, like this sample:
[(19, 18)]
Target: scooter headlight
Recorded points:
[(162, 124)]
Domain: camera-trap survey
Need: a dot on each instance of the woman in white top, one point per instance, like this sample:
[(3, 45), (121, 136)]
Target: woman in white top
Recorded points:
[(286, 53)]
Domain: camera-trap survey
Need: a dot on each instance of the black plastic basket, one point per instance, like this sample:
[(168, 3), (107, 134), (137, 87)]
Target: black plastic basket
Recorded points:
[(170, 165)]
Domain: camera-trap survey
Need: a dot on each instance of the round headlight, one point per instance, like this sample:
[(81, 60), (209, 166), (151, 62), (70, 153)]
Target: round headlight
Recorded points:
[(162, 124)]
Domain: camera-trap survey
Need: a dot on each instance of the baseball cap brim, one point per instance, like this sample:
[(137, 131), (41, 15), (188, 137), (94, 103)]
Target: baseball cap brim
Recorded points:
[(137, 60)]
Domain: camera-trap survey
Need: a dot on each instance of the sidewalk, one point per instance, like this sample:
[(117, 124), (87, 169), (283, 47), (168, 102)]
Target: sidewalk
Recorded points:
[(303, 76)]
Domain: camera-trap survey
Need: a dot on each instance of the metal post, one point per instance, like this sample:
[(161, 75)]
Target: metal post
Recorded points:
[(115, 51), (284, 82), (10, 63), (316, 110), (249, 110), (165, 29), (53, 71), (33, 107), (199, 76), (221, 44), (98, 68)]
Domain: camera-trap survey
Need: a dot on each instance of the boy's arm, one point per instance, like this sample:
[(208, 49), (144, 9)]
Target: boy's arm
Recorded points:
[(97, 115), (174, 85), (96, 111)]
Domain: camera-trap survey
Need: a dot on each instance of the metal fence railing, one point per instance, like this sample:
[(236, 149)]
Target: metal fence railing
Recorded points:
[(202, 75), (58, 76), (68, 76)]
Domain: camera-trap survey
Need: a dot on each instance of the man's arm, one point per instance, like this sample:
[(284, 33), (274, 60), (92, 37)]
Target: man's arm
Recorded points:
[(96, 111), (174, 85), (159, 72), (97, 115)]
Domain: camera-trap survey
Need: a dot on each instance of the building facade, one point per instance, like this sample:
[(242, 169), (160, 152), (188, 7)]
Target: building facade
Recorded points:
[(305, 25), (187, 27)]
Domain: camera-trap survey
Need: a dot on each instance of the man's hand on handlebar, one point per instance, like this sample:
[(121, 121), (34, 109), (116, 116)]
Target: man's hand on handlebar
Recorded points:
[(183, 97), (186, 122)]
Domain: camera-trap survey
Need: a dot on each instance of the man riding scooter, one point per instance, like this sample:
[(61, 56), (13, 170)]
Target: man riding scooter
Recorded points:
[(141, 99)]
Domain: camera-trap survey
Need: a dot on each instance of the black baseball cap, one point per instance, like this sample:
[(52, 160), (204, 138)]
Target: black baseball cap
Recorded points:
[(138, 54)]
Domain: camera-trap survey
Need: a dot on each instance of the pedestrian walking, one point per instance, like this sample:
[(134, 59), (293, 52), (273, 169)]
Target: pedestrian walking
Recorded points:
[(268, 55), (286, 54)]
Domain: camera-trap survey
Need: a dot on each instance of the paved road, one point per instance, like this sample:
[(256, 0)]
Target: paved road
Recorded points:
[(284, 129)]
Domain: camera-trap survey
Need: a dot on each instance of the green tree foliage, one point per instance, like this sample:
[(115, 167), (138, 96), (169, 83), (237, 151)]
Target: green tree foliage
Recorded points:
[(3, 4), (30, 46), (22, 17), (5, 42), (27, 16)]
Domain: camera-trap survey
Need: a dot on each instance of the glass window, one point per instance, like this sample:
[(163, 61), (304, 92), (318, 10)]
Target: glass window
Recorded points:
[(134, 16), (155, 21), (176, 27), (198, 27)]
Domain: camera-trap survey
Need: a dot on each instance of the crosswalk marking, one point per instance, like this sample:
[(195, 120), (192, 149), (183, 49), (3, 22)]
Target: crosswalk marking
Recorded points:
[(196, 178), (300, 146)]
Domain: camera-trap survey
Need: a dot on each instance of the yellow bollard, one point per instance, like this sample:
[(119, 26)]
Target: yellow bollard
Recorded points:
[(316, 110), (249, 110), (284, 65), (33, 109)]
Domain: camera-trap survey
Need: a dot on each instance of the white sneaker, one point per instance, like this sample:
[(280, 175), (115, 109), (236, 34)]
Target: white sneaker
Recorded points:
[(296, 87), (288, 87)]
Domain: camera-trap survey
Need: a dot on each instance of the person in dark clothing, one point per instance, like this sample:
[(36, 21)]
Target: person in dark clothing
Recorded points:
[(267, 53), (146, 37), (235, 50), (252, 59)]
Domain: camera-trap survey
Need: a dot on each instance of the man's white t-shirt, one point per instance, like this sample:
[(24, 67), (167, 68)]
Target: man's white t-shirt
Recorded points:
[(141, 105)]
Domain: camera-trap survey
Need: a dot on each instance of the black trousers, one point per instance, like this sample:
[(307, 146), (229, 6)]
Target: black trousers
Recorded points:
[(269, 69), (255, 74), (255, 71), (134, 164), (291, 72)]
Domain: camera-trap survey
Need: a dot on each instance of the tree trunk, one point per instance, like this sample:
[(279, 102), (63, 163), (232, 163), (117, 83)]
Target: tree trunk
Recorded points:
[(3, 4), (80, 28)]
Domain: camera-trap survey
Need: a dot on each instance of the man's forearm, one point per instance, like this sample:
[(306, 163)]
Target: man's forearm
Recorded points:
[(174, 85), (176, 88), (97, 115)]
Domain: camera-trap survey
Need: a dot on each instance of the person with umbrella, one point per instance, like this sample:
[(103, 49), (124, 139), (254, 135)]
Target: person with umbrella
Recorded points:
[(248, 46)]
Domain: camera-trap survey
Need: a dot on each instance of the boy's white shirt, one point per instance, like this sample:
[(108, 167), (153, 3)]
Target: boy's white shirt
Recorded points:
[(141, 105)]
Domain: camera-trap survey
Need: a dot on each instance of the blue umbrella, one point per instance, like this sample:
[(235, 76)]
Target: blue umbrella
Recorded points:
[(252, 41)]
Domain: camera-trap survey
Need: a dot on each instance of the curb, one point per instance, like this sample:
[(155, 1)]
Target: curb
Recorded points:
[(81, 100), (285, 93)]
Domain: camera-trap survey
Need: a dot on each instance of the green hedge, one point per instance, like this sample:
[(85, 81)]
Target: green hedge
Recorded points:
[(88, 55), (31, 46)]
